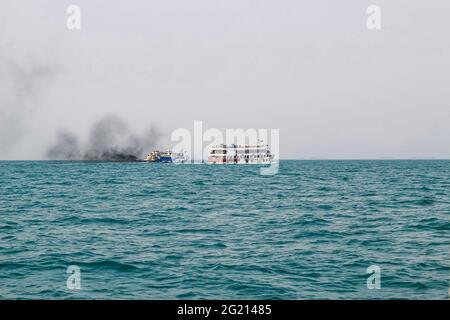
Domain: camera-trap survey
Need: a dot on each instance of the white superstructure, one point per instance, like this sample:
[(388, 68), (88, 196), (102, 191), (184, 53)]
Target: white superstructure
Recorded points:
[(240, 154)]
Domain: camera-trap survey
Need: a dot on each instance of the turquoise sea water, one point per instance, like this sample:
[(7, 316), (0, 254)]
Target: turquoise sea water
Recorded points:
[(164, 231)]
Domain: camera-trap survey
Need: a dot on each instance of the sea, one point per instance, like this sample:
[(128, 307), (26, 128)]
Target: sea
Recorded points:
[(316, 230)]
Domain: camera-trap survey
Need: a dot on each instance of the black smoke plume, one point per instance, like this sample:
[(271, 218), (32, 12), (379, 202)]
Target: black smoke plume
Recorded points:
[(110, 139), (65, 148)]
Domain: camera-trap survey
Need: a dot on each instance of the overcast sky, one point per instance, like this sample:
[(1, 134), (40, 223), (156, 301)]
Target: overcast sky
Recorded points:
[(309, 68)]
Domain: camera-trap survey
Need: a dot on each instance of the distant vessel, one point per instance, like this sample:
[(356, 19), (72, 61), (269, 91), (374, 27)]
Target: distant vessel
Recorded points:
[(152, 157), (240, 154), (166, 156)]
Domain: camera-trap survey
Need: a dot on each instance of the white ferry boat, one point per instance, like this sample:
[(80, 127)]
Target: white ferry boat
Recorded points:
[(240, 154)]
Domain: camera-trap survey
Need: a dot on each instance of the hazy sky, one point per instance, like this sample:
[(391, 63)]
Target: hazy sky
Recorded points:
[(309, 68)]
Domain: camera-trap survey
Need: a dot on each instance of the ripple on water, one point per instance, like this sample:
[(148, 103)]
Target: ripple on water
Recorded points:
[(195, 232)]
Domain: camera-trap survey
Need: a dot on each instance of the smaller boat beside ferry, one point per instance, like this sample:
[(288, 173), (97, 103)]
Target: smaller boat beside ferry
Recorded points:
[(167, 156)]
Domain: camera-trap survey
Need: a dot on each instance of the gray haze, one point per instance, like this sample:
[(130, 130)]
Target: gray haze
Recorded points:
[(21, 84), (309, 68)]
